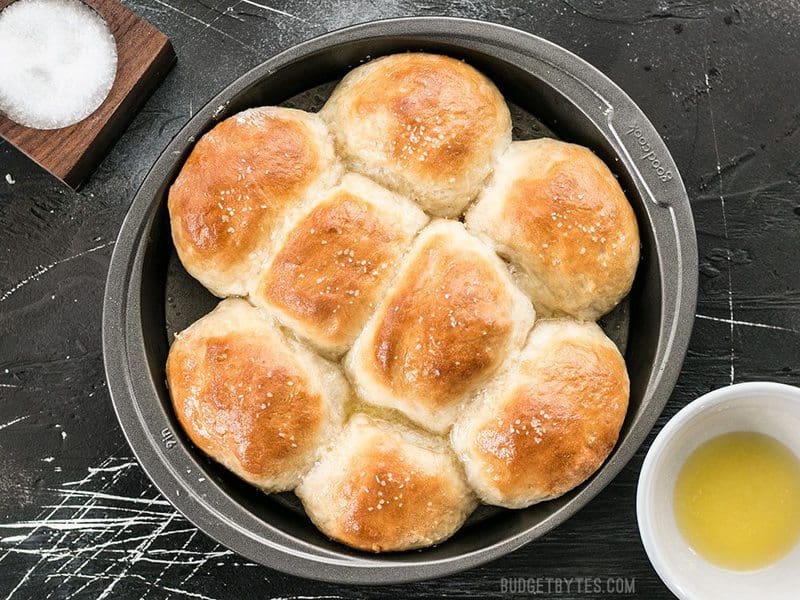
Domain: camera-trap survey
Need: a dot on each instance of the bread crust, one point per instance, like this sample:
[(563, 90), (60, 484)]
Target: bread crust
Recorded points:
[(385, 488), (450, 319), (550, 421), (333, 264), (559, 215), (237, 186), (427, 126), (251, 399)]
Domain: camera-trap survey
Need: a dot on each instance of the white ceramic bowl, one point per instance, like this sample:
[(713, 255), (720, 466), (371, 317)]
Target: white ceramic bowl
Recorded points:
[(770, 408)]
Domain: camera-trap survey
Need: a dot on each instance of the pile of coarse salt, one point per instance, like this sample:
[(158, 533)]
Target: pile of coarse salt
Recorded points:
[(58, 61)]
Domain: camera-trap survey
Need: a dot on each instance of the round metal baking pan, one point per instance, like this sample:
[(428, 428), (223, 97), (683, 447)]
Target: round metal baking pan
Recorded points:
[(149, 294)]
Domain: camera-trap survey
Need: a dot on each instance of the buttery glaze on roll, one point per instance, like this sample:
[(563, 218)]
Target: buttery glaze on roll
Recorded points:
[(444, 402), (383, 487), (557, 212), (252, 399), (240, 181), (333, 264), (450, 318), (549, 422), (427, 126)]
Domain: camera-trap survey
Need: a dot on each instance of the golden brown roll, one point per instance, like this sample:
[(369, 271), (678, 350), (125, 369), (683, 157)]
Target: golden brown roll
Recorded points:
[(450, 318), (455, 393), (556, 211), (547, 423), (334, 262), (240, 181), (427, 126), (384, 487), (253, 400)]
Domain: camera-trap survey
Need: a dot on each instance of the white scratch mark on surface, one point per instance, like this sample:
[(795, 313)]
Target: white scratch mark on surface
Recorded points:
[(175, 561), (276, 11), (210, 24), (114, 469), (23, 580), (80, 513), (747, 323), (8, 385), (180, 12), (185, 593), (308, 598), (724, 222), (97, 524), (14, 422), (94, 506), (102, 496), (12, 539), (36, 565), (205, 556), (43, 553), (91, 578), (91, 504), (45, 268), (184, 552), (128, 539), (139, 553), (207, 25), (194, 571), (91, 558), (218, 17), (103, 468), (75, 553)]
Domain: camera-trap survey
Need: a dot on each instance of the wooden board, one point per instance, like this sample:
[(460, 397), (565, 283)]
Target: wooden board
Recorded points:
[(144, 56)]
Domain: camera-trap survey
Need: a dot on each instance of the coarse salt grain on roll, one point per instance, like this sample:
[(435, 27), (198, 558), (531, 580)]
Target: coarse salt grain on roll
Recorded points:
[(450, 318), (253, 399), (240, 182), (427, 126), (547, 423), (383, 487), (333, 264), (559, 215)]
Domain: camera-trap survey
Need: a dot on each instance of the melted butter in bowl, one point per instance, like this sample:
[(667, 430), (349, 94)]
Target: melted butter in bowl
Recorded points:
[(737, 500), (718, 500)]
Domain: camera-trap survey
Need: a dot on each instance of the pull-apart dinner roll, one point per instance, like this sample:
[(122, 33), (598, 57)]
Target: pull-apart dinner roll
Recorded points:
[(546, 424), (384, 487), (332, 265), (237, 185), (449, 319), (556, 211), (427, 126), (253, 400)]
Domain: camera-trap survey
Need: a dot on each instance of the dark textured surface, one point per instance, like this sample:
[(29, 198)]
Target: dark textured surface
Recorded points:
[(77, 517)]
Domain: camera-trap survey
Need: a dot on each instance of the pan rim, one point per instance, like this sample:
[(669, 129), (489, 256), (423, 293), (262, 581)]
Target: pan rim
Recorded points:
[(300, 558)]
